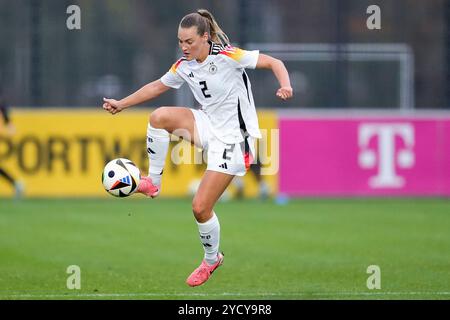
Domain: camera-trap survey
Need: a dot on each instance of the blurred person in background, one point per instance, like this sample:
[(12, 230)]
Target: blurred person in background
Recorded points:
[(263, 187), (10, 130)]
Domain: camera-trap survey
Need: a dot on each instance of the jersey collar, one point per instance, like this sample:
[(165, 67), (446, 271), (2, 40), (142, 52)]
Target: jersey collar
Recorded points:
[(211, 45)]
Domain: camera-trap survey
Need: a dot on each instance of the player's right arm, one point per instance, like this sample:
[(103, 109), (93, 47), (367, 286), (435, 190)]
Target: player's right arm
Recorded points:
[(146, 93)]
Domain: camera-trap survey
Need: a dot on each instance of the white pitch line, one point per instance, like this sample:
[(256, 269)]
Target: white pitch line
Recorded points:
[(224, 294)]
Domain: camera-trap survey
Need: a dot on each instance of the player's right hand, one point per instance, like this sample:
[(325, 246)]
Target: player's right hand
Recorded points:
[(112, 106)]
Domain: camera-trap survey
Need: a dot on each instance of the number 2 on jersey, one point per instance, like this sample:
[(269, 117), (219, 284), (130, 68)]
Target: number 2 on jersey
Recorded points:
[(204, 88)]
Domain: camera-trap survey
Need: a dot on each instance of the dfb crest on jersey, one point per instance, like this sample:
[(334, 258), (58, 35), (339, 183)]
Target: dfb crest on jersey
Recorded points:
[(212, 68)]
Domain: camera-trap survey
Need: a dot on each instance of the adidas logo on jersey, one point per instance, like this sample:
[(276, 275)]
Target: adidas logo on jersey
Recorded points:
[(224, 166), (191, 75)]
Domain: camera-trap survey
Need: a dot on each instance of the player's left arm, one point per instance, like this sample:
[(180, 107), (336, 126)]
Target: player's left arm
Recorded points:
[(277, 66)]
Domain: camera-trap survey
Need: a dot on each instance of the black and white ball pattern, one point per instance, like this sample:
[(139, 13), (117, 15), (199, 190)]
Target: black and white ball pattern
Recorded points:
[(121, 177)]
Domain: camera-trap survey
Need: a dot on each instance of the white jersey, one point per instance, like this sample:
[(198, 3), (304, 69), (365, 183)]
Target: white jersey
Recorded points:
[(222, 88)]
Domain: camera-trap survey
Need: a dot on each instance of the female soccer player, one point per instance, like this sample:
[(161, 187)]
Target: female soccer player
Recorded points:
[(225, 127)]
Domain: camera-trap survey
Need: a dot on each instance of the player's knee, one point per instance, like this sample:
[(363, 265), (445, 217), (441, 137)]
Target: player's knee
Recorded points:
[(200, 209), (159, 117)]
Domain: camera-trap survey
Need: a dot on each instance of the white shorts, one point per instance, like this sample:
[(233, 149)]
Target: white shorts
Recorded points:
[(233, 159)]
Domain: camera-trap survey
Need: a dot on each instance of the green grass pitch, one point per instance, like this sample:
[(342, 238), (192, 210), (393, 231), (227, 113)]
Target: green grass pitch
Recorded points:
[(144, 249)]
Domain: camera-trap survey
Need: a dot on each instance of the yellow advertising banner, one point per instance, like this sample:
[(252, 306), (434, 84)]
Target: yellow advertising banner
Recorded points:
[(62, 152)]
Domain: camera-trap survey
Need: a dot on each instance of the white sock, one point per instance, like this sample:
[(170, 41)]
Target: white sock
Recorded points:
[(157, 147), (210, 237)]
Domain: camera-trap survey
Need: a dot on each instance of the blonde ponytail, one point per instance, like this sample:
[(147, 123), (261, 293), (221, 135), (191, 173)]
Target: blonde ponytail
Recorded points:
[(205, 22), (217, 34)]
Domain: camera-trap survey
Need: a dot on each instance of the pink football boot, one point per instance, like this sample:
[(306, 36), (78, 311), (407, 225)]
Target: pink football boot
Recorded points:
[(204, 272), (147, 188)]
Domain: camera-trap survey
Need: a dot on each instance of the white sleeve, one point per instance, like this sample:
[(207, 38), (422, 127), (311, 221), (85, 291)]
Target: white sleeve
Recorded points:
[(249, 59), (241, 58), (172, 79)]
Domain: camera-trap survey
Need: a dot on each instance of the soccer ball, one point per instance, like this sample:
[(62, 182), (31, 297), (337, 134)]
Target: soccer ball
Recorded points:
[(121, 177)]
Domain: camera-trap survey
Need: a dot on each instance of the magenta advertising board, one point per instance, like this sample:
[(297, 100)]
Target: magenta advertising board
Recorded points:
[(365, 156)]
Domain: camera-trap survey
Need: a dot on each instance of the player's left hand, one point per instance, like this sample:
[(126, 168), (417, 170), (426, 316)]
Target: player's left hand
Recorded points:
[(285, 93)]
